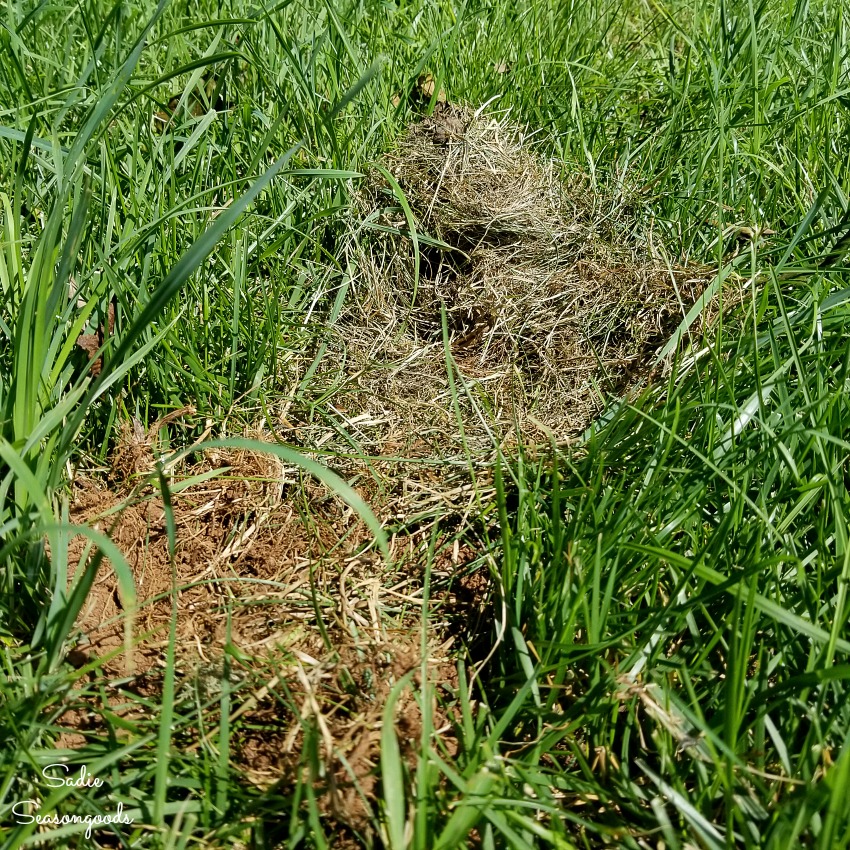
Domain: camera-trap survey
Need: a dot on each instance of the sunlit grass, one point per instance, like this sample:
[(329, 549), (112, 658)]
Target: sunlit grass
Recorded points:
[(672, 666)]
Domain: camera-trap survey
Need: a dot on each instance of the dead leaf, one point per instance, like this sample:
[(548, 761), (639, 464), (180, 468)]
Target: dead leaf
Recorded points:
[(197, 104), (90, 343), (427, 87)]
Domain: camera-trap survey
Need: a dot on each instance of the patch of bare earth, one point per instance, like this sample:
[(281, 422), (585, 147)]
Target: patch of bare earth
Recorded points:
[(275, 590), (551, 300)]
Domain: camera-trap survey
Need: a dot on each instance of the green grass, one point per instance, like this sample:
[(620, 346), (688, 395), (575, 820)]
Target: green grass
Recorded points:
[(673, 668)]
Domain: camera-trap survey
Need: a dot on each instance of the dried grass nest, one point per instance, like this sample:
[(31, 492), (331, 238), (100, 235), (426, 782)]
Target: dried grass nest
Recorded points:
[(552, 298)]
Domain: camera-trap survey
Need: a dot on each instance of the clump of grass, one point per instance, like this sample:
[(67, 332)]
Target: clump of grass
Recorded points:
[(549, 293)]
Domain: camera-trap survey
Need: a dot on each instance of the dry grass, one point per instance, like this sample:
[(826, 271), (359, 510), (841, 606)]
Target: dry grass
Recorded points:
[(551, 301), (275, 566), (258, 539)]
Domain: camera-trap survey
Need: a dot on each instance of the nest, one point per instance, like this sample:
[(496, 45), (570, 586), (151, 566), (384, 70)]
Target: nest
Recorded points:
[(551, 301)]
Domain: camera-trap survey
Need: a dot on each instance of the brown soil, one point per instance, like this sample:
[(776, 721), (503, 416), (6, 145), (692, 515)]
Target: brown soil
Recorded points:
[(238, 546), (272, 564), (342, 704)]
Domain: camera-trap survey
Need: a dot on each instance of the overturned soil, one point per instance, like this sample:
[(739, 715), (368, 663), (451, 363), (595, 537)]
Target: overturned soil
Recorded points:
[(258, 547), (526, 303), (274, 591)]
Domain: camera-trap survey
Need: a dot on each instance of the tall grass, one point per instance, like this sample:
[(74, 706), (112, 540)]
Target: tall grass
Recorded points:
[(673, 658)]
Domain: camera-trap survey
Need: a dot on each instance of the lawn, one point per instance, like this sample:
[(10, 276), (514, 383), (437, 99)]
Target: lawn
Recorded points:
[(422, 424)]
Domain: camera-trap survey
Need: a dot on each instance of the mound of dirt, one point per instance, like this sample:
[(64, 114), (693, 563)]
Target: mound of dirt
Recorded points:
[(550, 301), (550, 298), (272, 585)]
